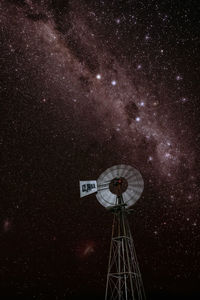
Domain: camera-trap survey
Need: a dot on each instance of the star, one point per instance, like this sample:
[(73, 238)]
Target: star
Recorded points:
[(113, 82), (98, 76), (147, 37), (178, 78), (183, 99), (139, 67)]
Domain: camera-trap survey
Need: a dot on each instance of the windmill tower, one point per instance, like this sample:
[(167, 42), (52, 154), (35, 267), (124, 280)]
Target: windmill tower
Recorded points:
[(118, 188)]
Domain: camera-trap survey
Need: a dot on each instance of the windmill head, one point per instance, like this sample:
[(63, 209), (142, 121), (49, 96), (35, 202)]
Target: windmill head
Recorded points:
[(119, 180)]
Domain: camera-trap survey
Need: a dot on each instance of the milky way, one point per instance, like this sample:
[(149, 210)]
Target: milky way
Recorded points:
[(90, 84)]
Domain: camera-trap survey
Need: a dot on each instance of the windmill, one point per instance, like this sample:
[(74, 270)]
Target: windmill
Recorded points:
[(118, 188)]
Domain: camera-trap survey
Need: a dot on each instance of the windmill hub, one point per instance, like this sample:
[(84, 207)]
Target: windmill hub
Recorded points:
[(118, 185)]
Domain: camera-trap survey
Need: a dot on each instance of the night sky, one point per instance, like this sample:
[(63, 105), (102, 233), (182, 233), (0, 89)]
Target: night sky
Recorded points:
[(85, 85)]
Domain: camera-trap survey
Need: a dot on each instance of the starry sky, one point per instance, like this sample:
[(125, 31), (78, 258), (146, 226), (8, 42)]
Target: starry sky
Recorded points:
[(85, 85)]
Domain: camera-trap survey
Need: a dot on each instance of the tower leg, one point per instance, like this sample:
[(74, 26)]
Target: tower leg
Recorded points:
[(124, 281)]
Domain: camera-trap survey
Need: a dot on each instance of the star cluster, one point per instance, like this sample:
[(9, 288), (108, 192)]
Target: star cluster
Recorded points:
[(86, 85)]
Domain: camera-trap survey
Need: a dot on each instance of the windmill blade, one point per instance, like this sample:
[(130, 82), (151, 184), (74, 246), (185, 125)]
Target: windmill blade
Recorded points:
[(133, 189)]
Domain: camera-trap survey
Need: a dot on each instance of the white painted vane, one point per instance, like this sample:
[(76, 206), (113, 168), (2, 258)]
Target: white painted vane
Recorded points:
[(87, 187)]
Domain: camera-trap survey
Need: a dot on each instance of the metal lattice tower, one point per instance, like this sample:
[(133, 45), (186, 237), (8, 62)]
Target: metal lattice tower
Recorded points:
[(124, 279), (118, 188)]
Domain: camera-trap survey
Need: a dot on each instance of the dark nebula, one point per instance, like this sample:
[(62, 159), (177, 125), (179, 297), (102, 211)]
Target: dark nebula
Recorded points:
[(85, 85)]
